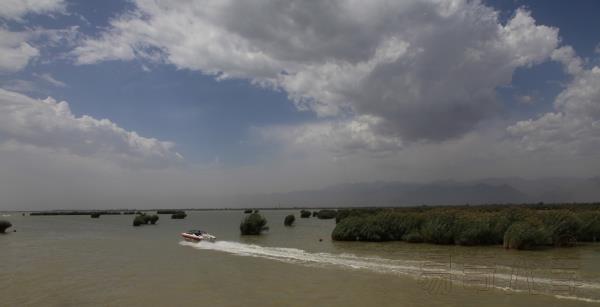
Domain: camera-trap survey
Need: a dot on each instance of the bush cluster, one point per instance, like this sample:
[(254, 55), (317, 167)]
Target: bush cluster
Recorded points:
[(248, 211), (515, 227), (289, 220), (326, 214), (143, 219), (4, 225), (179, 215), (305, 214), (253, 224)]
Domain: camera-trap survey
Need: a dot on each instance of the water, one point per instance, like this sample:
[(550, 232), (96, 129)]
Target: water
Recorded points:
[(79, 261)]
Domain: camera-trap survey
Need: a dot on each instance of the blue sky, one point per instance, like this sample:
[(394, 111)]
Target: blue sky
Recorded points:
[(324, 90)]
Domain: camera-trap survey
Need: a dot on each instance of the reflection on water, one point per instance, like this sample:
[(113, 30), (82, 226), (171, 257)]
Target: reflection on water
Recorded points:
[(78, 261)]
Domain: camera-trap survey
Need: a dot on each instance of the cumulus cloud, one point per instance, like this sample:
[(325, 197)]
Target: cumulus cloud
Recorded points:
[(427, 70), (16, 9), (26, 122), (574, 125), (342, 137), (15, 52)]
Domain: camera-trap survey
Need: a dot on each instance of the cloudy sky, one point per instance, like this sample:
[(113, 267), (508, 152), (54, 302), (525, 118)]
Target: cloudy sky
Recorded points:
[(151, 103)]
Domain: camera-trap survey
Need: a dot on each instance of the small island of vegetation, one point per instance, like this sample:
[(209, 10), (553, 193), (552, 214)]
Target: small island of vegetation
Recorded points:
[(326, 214), (253, 224), (515, 227), (179, 215), (289, 220), (144, 219), (305, 214), (4, 225)]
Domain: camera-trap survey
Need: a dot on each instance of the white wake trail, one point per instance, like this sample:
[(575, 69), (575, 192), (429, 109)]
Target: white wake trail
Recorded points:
[(412, 268)]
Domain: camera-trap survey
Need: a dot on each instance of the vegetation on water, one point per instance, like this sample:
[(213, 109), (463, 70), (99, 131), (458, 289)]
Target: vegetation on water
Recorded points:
[(515, 227), (305, 214), (315, 213), (289, 220), (168, 211), (95, 215), (248, 211), (4, 225), (60, 212), (326, 214), (253, 224), (179, 215), (144, 219)]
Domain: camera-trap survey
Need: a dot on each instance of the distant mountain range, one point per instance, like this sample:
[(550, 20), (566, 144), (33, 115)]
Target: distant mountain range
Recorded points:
[(484, 191)]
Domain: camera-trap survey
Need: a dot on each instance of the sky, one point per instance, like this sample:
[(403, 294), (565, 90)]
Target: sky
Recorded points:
[(152, 103)]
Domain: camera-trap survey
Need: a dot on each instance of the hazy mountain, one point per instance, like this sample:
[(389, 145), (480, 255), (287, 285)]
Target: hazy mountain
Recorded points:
[(484, 191)]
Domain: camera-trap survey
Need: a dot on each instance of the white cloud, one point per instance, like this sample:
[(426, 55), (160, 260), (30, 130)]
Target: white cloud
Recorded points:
[(15, 52), (574, 125), (16, 9), (49, 124), (340, 138), (50, 79), (18, 49), (424, 69)]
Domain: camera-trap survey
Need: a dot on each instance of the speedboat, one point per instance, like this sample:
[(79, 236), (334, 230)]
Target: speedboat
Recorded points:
[(197, 236)]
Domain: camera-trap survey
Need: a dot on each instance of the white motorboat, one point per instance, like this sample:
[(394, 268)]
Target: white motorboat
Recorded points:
[(197, 236)]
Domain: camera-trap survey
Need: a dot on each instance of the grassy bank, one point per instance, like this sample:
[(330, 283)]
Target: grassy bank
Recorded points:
[(518, 227)]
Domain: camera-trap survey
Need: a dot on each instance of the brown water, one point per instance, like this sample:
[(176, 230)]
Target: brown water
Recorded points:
[(79, 261)]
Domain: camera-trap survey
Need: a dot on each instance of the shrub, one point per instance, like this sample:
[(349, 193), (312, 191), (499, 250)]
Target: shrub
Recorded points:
[(562, 227), (153, 219), (315, 213), (253, 224), (358, 228), (95, 215), (590, 226), (326, 214), (438, 228), (4, 225), (168, 211), (256, 210), (305, 214), (524, 235), (289, 220), (248, 211), (179, 215), (139, 220), (473, 229)]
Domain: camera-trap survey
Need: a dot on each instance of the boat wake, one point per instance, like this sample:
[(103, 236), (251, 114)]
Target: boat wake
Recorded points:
[(406, 267)]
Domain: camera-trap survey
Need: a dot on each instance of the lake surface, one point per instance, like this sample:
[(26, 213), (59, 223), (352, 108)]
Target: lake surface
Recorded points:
[(79, 261)]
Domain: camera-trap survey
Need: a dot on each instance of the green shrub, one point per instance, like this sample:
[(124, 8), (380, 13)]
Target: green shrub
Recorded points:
[(358, 228), (153, 219), (95, 215), (4, 225), (253, 224), (289, 220), (524, 235), (562, 227), (139, 220), (179, 215), (315, 213), (437, 228), (168, 211), (473, 229), (305, 214), (247, 211), (326, 214), (590, 226)]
